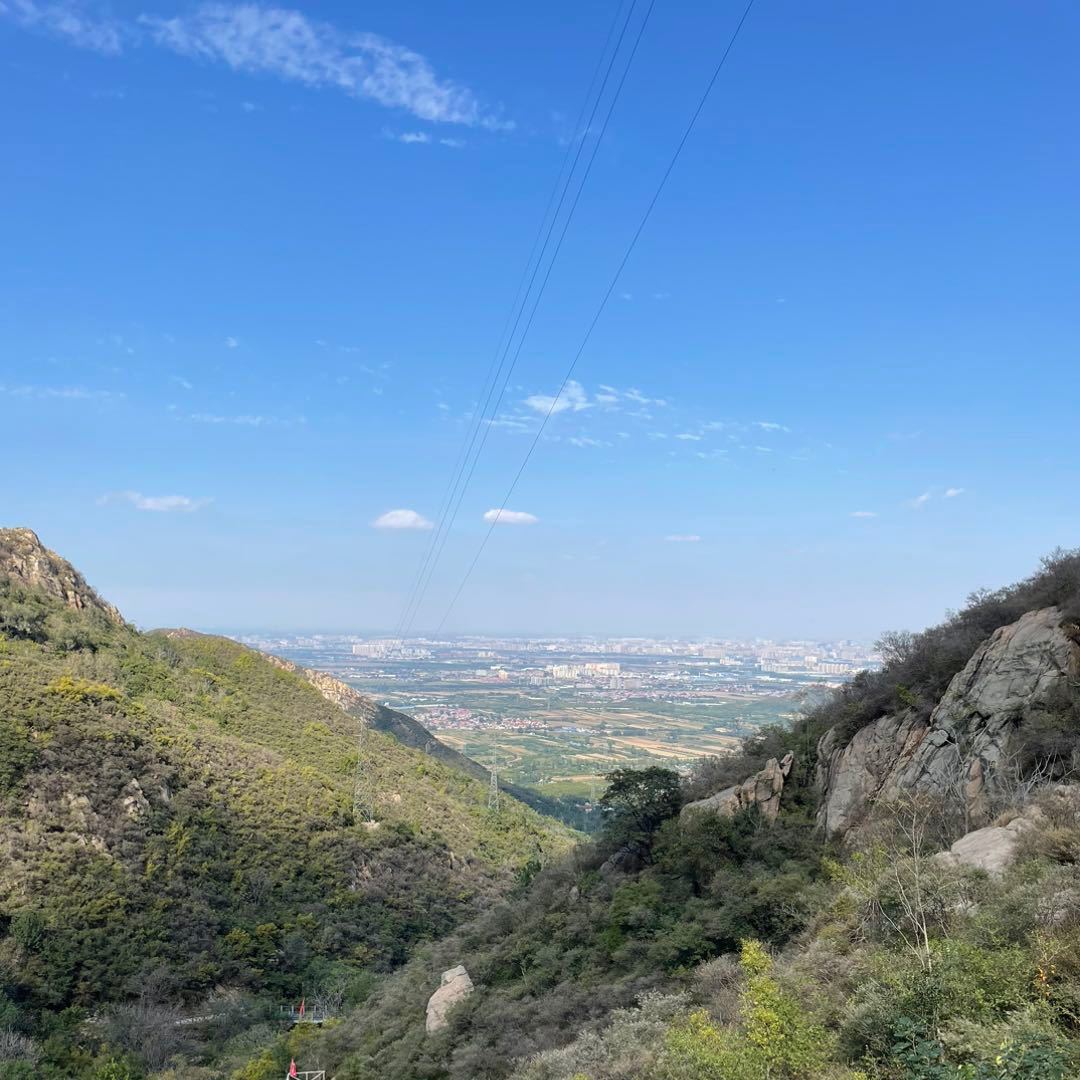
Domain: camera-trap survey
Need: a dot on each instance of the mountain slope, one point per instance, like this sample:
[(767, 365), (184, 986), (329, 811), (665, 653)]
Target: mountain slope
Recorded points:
[(176, 808), (410, 732)]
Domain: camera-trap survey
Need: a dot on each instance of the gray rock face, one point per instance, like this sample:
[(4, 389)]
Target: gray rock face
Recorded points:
[(454, 987), (25, 558), (762, 790), (964, 748), (992, 848)]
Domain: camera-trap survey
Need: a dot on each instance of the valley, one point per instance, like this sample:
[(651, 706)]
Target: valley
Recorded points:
[(560, 716)]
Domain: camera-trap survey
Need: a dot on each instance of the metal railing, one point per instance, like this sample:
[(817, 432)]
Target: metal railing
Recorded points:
[(309, 1014)]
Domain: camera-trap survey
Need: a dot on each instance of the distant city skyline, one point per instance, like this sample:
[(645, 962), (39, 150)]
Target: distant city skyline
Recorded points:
[(249, 294)]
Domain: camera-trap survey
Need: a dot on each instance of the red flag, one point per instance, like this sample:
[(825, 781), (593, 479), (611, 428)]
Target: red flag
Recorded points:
[(301, 1008), (292, 1067)]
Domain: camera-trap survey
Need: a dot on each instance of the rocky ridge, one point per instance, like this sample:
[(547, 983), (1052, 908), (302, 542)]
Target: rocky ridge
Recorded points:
[(966, 748), (28, 561)]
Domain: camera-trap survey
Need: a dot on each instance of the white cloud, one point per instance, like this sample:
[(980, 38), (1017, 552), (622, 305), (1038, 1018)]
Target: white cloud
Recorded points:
[(769, 425), (287, 44), (951, 493), (863, 514), (66, 20), (454, 144), (584, 440), (686, 436), (683, 538), (68, 393), (246, 420), (249, 106), (231, 342), (571, 397), (179, 380), (509, 517), (634, 394), (401, 519), (158, 504), (920, 500), (409, 137)]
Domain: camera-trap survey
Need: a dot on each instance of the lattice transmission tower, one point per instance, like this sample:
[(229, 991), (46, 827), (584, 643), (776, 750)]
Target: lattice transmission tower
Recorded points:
[(493, 783), (363, 798)]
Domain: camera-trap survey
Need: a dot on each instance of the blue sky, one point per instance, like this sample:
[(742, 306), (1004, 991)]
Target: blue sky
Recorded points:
[(255, 262)]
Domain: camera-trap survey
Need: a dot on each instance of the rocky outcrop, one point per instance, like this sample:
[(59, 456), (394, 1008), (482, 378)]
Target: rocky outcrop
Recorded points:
[(26, 559), (628, 859), (851, 777), (964, 749), (762, 790), (993, 848), (454, 987)]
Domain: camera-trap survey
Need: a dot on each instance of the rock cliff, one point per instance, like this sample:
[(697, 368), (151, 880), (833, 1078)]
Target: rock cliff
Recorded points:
[(762, 790), (28, 561), (965, 749)]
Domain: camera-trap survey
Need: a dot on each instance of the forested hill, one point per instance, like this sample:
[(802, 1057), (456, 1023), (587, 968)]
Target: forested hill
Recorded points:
[(176, 820)]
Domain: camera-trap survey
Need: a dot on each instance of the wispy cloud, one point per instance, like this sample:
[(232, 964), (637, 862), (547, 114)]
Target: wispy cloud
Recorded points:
[(572, 397), (688, 436), (67, 20), (770, 425), (683, 538), (179, 380), (863, 514), (509, 517), (68, 393), (920, 500), (254, 39), (952, 493), (246, 420), (158, 504), (277, 41), (401, 519), (409, 137), (231, 342)]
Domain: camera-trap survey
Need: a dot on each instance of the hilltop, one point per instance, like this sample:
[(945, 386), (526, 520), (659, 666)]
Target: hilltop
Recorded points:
[(176, 820)]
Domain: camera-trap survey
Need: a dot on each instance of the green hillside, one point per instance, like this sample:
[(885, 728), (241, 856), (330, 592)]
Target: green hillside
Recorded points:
[(176, 820)]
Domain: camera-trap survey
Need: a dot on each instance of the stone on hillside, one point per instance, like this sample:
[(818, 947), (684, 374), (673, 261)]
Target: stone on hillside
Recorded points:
[(964, 749), (992, 848), (455, 987), (762, 790)]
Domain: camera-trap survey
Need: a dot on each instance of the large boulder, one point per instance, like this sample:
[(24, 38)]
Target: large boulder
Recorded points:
[(964, 749), (994, 848), (454, 987), (762, 790)]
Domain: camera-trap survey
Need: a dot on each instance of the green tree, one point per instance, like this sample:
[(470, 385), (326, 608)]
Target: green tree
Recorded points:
[(638, 801)]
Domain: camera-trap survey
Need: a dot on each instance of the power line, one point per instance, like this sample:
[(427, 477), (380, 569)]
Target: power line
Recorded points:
[(539, 295), (518, 304), (603, 303)]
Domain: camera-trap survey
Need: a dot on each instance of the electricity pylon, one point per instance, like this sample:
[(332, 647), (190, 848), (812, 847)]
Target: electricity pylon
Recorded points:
[(363, 798), (493, 784)]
